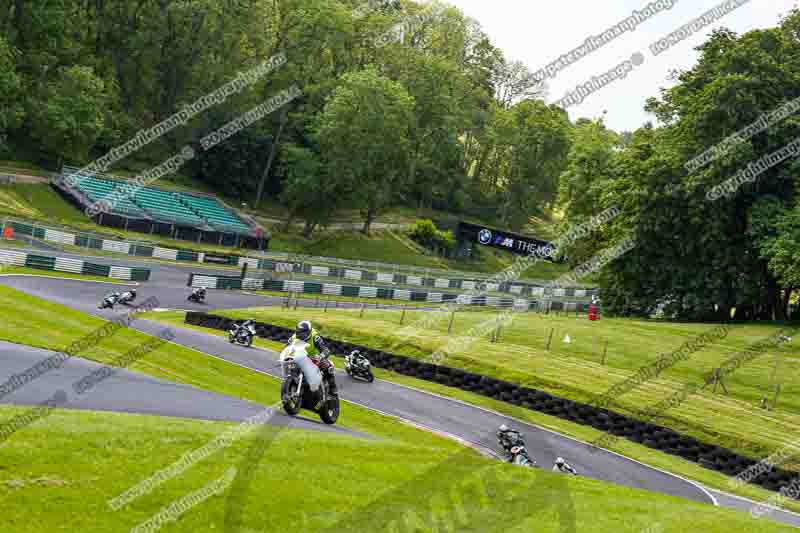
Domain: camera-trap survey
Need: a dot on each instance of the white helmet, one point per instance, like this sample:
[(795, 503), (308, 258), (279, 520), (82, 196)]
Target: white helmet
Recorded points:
[(503, 428), (303, 331), (560, 461)]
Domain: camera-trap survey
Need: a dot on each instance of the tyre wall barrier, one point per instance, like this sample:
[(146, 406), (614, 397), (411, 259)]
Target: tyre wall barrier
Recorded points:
[(76, 266), (651, 435)]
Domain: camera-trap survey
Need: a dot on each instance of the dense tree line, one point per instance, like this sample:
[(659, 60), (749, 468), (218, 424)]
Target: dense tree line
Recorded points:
[(411, 104), (402, 104), (702, 254)]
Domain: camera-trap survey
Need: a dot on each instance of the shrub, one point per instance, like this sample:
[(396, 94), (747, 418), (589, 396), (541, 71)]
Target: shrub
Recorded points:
[(425, 233)]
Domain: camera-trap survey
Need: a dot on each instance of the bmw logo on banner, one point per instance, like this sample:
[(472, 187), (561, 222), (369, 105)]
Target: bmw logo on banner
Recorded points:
[(485, 236)]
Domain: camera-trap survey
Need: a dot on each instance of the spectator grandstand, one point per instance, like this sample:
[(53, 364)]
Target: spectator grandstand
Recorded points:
[(182, 215)]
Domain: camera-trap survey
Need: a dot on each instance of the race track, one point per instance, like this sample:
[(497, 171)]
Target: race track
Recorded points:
[(466, 422), (130, 392)]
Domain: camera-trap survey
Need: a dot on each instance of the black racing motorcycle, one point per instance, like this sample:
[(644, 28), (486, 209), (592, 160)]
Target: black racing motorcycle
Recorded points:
[(516, 453), (197, 297), (358, 366), (241, 334)]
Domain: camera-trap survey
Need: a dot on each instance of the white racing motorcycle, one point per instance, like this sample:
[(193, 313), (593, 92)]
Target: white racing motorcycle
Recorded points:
[(296, 391)]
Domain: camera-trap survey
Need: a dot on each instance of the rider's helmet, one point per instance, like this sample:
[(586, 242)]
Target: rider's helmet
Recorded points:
[(560, 461), (502, 429), (133, 292), (303, 331)]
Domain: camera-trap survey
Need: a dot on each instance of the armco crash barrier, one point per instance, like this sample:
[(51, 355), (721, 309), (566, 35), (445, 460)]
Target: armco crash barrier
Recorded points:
[(653, 436), (386, 293), (65, 236), (76, 266)]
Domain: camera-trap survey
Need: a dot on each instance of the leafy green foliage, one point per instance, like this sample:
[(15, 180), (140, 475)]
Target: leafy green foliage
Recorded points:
[(427, 234)]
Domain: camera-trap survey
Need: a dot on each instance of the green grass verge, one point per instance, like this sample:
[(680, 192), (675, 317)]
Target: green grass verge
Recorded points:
[(58, 474), (574, 370), (333, 300)]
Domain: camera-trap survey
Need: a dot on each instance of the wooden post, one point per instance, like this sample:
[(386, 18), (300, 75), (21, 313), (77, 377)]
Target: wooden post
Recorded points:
[(326, 307), (772, 385), (450, 326), (362, 310), (775, 398), (296, 299), (403, 316), (549, 340), (497, 329), (605, 351)]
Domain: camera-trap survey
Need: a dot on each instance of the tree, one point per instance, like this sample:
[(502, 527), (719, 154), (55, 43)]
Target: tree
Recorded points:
[(71, 116), (12, 111), (311, 192), (590, 164), (514, 83), (533, 141), (363, 137)]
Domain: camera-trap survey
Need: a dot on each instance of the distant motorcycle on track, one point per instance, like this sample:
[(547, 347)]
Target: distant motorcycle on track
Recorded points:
[(513, 444), (109, 301), (242, 334), (358, 366), (198, 295), (127, 297)]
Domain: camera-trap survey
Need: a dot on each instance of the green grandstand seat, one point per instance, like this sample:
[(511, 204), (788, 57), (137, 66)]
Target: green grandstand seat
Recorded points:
[(175, 207), (217, 215)]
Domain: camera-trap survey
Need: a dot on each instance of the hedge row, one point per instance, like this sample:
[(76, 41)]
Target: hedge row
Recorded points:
[(651, 435)]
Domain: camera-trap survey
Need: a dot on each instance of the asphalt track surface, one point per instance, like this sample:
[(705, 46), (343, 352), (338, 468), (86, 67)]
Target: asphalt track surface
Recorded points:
[(463, 421), (130, 392)]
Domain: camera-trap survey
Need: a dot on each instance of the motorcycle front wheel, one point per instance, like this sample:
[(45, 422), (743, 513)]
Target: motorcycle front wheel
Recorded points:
[(290, 404), (330, 412), (231, 338), (249, 341), (370, 377)]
